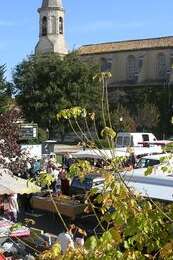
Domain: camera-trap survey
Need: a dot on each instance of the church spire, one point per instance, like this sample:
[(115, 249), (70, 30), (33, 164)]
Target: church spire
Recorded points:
[(52, 3), (51, 28)]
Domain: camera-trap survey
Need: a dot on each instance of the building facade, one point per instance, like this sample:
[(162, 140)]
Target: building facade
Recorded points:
[(141, 69), (51, 28), (135, 62), (131, 63)]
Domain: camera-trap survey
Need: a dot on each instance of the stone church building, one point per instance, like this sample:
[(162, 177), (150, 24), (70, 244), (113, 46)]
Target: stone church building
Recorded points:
[(51, 28), (135, 65), (131, 63), (135, 62)]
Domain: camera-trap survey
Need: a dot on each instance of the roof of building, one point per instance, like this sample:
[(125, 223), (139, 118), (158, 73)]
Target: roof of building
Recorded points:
[(51, 3), (152, 43)]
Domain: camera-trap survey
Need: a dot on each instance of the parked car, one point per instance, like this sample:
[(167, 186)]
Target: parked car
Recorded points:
[(90, 181), (149, 160), (158, 161), (158, 184)]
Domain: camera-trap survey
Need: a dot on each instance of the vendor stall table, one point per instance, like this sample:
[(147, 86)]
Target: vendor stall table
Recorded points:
[(10, 233), (7, 231), (66, 205)]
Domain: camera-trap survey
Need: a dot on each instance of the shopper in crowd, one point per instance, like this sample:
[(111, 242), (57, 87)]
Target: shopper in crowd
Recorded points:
[(65, 186), (80, 237), (130, 163), (132, 159), (11, 207), (66, 239), (68, 161), (1, 205), (57, 186), (36, 167)]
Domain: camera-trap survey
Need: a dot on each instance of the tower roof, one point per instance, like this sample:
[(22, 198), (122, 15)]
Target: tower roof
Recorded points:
[(52, 3)]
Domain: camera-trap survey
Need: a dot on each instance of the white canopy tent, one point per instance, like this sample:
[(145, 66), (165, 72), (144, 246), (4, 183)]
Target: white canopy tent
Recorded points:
[(10, 184), (117, 152), (99, 154)]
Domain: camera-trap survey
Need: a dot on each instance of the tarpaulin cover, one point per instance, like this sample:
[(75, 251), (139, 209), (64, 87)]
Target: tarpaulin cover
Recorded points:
[(10, 184)]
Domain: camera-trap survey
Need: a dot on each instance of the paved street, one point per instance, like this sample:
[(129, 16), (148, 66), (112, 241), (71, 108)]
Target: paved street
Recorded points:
[(51, 223)]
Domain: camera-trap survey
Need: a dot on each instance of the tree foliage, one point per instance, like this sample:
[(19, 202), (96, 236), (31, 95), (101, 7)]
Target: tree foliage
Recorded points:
[(11, 156), (135, 228), (131, 227), (5, 91), (147, 116), (122, 120), (46, 84)]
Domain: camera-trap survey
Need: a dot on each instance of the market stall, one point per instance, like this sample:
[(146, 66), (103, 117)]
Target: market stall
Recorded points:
[(66, 205), (10, 184), (10, 233), (10, 229)]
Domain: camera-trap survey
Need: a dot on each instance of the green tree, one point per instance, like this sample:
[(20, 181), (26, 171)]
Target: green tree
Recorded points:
[(46, 84), (1, 75), (147, 116), (5, 91), (122, 120)]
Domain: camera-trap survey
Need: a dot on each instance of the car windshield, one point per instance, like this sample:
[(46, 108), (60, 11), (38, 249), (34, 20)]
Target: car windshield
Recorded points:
[(96, 183), (145, 162), (85, 184)]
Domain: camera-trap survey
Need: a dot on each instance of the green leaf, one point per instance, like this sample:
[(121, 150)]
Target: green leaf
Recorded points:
[(149, 170), (108, 132), (91, 243)]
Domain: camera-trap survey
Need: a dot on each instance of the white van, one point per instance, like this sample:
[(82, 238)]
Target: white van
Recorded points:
[(134, 139)]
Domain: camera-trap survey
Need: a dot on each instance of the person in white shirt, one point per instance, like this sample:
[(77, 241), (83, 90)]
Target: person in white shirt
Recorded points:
[(11, 207), (66, 240)]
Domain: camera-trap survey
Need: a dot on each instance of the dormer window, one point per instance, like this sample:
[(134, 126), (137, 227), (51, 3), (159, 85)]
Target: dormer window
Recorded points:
[(44, 26)]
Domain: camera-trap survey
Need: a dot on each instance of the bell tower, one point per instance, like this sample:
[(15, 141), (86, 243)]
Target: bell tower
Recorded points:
[(51, 28)]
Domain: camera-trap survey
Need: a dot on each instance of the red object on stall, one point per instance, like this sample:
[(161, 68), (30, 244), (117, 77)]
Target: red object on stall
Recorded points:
[(2, 257), (21, 232)]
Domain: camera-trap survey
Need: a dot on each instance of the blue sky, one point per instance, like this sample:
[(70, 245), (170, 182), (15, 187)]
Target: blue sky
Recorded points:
[(89, 21)]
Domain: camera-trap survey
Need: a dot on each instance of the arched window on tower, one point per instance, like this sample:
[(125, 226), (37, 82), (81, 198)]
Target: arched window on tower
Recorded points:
[(161, 66), (61, 27), (44, 26), (131, 68), (53, 24)]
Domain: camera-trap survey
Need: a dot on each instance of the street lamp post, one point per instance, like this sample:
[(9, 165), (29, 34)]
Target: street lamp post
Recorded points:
[(167, 101), (121, 120), (47, 132)]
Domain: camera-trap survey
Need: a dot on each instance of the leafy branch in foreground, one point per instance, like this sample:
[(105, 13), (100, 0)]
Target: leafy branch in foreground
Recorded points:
[(133, 227)]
